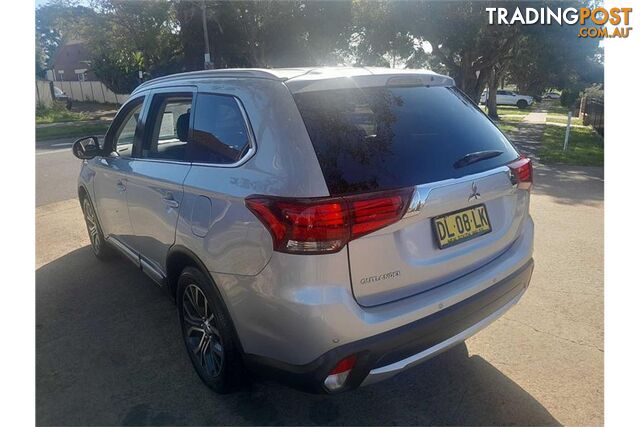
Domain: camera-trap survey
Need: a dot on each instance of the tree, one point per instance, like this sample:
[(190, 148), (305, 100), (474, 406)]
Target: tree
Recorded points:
[(264, 34), (127, 37), (553, 56), (55, 24)]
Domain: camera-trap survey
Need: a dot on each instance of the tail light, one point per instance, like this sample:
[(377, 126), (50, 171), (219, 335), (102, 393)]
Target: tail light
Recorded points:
[(338, 375), (522, 173), (326, 224)]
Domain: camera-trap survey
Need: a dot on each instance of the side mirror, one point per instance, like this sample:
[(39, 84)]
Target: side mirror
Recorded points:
[(86, 148)]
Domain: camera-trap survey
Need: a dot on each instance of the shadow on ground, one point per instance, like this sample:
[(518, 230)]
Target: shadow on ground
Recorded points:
[(108, 351), (582, 185)]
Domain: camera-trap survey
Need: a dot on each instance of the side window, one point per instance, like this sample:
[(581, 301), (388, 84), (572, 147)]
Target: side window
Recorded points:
[(168, 127), (220, 134), (501, 92), (126, 131)]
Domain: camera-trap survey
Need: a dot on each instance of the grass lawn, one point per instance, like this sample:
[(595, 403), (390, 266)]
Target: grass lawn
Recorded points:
[(57, 113), (73, 129), (586, 147), (553, 107), (506, 110), (507, 126), (559, 118), (80, 111)]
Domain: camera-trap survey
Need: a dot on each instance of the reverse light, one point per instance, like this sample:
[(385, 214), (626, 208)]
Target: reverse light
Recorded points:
[(338, 375), (327, 224), (522, 173)]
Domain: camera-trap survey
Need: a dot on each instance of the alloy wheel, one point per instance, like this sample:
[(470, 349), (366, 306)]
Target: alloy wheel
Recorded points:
[(201, 332), (92, 226)]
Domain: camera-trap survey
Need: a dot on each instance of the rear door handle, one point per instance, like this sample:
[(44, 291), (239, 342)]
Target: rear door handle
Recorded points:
[(170, 201)]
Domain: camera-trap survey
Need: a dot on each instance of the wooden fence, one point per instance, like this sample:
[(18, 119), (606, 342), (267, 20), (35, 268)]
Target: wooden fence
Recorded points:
[(592, 112), (78, 91)]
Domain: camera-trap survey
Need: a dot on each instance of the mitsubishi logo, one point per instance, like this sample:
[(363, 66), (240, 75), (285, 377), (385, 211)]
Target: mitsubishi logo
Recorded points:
[(475, 195)]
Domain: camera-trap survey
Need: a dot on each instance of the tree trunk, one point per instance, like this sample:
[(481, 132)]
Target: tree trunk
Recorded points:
[(491, 96)]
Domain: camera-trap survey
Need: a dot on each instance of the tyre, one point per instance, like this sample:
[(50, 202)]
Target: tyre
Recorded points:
[(208, 332), (101, 248), (522, 104)]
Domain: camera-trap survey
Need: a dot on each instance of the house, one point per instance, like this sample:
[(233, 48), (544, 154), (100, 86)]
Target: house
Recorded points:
[(71, 63)]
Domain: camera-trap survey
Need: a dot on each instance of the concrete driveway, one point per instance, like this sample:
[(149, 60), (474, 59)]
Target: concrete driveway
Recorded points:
[(108, 346)]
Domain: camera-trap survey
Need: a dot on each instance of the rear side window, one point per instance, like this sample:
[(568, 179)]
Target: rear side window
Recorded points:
[(219, 134), (369, 139)]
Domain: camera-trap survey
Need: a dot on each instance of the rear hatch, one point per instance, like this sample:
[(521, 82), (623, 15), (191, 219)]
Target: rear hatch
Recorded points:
[(436, 140)]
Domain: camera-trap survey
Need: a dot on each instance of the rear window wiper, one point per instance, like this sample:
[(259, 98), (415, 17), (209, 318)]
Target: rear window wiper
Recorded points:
[(470, 158)]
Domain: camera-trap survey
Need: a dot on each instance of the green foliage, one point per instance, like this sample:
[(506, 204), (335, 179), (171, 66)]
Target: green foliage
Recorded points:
[(58, 113), (161, 37), (266, 33), (586, 147), (126, 37), (553, 56), (57, 22), (70, 130), (569, 98)]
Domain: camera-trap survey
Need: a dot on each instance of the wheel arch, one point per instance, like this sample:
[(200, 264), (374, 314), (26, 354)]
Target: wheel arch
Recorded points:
[(180, 257)]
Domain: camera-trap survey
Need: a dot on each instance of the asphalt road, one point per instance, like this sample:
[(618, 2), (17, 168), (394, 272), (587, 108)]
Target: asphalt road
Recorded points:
[(108, 347)]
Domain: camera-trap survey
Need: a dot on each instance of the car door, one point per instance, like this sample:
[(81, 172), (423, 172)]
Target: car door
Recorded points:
[(502, 97), (112, 171), (158, 170)]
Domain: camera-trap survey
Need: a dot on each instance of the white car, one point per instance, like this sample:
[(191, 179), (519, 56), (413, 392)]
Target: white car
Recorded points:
[(551, 95), (507, 97)]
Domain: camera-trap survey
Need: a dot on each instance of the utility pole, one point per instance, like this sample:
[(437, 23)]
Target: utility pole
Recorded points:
[(207, 52)]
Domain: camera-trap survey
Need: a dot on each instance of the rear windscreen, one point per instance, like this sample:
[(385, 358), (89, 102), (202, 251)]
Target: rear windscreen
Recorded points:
[(381, 138)]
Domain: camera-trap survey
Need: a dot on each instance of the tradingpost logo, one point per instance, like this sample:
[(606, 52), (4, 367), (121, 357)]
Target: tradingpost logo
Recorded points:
[(616, 17)]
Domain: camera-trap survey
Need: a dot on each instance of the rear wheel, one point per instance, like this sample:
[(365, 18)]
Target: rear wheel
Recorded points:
[(100, 247), (522, 104), (207, 332)]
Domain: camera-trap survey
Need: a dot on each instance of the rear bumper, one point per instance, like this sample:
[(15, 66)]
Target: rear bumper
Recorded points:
[(384, 355)]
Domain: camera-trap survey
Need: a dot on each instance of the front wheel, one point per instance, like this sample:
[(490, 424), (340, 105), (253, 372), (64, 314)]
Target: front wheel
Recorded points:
[(522, 104), (100, 247), (207, 332)]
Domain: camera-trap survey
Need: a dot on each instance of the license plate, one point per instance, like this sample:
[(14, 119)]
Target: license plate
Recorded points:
[(460, 226)]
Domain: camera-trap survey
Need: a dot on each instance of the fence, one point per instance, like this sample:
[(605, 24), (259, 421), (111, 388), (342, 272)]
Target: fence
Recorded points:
[(592, 111), (44, 94), (78, 91)]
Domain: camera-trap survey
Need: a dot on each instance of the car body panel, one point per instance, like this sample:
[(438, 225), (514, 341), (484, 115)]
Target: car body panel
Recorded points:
[(505, 97), (408, 249), (110, 198), (154, 194)]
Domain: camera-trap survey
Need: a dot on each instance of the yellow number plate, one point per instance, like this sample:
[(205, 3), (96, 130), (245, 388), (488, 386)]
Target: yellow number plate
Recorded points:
[(460, 226)]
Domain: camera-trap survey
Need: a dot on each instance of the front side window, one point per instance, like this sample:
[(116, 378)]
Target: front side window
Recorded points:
[(125, 133), (168, 127), (220, 134)]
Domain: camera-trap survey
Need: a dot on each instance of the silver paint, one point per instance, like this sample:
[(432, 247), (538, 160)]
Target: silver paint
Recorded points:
[(294, 308)]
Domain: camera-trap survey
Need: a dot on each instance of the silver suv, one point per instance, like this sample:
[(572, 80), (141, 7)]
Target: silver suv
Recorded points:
[(327, 227)]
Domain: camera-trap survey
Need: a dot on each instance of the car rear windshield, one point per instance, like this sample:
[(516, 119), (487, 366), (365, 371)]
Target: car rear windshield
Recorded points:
[(381, 138)]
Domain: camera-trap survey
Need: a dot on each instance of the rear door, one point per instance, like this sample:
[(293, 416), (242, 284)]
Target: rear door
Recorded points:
[(386, 138), (158, 170)]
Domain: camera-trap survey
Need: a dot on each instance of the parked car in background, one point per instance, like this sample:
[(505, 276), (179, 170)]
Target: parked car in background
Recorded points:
[(507, 97), (62, 97), (551, 95), (374, 219)]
